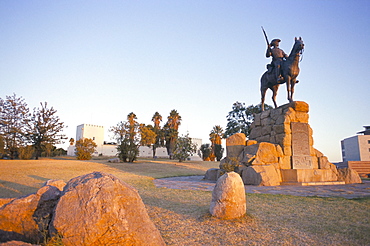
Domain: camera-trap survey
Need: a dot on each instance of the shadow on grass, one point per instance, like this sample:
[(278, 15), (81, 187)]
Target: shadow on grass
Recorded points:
[(12, 189), (38, 178), (155, 170)]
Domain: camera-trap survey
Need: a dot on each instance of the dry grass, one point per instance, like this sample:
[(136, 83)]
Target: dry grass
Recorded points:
[(182, 215)]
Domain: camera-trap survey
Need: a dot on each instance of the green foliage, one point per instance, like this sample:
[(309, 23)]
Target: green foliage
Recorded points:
[(85, 147), (229, 164), (206, 150), (184, 148), (14, 115), (147, 135), (26, 153), (241, 117), (2, 146), (43, 129), (127, 135), (219, 151)]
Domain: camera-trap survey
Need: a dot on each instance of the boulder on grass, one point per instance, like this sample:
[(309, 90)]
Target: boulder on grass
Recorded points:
[(349, 176), (26, 218), (99, 209), (211, 174), (228, 197)]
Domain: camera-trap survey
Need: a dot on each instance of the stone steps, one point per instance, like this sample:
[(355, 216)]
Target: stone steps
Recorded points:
[(314, 183)]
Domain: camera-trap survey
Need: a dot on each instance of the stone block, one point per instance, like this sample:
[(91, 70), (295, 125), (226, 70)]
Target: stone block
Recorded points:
[(261, 175), (257, 120), (251, 142), (278, 129), (308, 175), (265, 114), (255, 133), (280, 120), (300, 106), (285, 162), (302, 162), (275, 113), (267, 122), (234, 151), (236, 139), (266, 130), (301, 117), (287, 149)]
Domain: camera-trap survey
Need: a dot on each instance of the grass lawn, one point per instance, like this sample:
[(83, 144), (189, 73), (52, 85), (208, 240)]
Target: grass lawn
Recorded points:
[(182, 216)]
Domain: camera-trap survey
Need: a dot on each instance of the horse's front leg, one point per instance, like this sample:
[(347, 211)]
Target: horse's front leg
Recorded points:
[(293, 82), (288, 87)]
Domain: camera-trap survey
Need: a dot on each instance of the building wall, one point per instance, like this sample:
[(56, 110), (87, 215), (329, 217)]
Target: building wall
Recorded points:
[(95, 132), (356, 148), (364, 145)]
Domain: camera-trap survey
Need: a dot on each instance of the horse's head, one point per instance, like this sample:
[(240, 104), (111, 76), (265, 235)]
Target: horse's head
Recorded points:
[(298, 46)]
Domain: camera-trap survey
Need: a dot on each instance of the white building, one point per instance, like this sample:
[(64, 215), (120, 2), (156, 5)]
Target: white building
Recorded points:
[(357, 148), (96, 133)]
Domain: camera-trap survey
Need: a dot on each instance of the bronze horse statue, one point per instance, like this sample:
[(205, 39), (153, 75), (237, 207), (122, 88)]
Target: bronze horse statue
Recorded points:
[(289, 71)]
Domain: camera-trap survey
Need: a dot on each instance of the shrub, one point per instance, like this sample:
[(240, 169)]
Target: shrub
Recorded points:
[(85, 148), (26, 153)]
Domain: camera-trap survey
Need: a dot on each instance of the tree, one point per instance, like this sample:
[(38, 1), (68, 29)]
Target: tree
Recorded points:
[(147, 135), (171, 131), (240, 118), (85, 147), (216, 136), (206, 150), (159, 139), (44, 128), (184, 148), (126, 133), (14, 115), (2, 146)]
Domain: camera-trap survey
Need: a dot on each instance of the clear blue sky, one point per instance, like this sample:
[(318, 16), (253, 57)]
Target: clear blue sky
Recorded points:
[(97, 61)]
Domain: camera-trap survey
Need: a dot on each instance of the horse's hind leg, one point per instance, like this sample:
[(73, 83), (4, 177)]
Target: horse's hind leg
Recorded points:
[(274, 93)]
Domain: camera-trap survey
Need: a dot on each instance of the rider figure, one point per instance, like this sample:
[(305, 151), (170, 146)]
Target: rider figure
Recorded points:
[(278, 56)]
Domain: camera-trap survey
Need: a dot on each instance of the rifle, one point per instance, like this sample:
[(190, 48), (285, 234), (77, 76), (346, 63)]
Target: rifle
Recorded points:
[(267, 41)]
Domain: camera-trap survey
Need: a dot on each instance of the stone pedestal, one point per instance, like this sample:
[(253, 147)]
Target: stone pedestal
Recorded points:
[(288, 127)]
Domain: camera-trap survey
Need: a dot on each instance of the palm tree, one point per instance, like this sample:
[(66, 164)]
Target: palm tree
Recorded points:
[(174, 120), (215, 136), (171, 131), (159, 140), (157, 118)]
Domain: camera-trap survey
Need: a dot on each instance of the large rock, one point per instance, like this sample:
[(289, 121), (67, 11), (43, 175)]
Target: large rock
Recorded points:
[(211, 174), (99, 209), (349, 176), (57, 183), (235, 145), (228, 197), (261, 154), (261, 175), (26, 218), (16, 243)]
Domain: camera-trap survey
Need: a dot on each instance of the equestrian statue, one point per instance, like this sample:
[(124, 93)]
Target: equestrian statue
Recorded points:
[(283, 69)]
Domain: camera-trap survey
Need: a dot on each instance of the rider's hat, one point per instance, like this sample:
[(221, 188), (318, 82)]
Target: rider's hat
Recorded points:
[(275, 42)]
